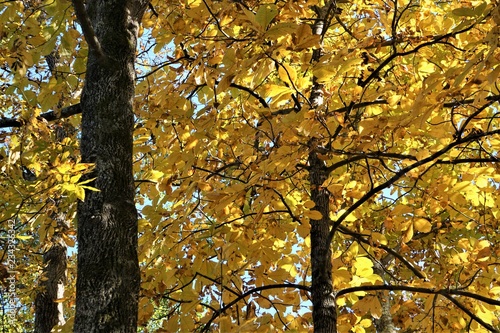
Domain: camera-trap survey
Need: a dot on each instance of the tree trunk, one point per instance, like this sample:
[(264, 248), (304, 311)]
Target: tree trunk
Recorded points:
[(48, 313), (108, 270), (323, 298), (385, 323)]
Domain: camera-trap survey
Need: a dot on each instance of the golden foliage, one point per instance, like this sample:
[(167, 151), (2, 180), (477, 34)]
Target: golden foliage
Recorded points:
[(408, 130)]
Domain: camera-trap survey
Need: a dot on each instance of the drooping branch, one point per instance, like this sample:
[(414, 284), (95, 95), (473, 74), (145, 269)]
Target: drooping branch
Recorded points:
[(393, 56), (404, 171), (469, 313), (248, 293), (447, 293), (48, 116), (395, 254)]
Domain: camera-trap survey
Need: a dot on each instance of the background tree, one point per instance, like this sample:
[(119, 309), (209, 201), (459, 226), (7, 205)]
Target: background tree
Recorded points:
[(297, 164)]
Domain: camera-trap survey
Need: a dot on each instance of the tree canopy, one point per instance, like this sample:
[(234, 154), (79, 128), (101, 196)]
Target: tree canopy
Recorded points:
[(286, 153)]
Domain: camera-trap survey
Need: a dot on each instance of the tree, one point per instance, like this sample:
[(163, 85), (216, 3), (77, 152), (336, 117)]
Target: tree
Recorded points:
[(106, 299), (297, 164)]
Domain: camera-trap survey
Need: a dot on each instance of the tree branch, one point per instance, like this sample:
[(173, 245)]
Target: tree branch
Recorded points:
[(454, 104), (48, 116), (251, 92), (423, 290), (393, 56), (248, 293), (401, 173), (469, 160), (153, 10), (405, 262), (469, 313), (88, 31), (447, 293)]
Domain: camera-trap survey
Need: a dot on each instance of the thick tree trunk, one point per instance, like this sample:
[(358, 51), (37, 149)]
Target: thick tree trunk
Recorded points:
[(323, 298), (108, 270)]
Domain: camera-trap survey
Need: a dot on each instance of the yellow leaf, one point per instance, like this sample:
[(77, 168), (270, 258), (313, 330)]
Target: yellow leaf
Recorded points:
[(141, 139), (274, 90), (64, 168), (358, 329), (365, 323), (309, 204), (374, 110), (287, 74), (422, 225), (471, 12), (303, 32), (379, 238), (393, 100), (426, 68), (313, 214), (80, 192), (335, 188), (288, 265), (23, 237), (423, 153), (68, 240), (363, 266), (61, 300), (463, 186), (154, 175), (265, 14), (408, 235)]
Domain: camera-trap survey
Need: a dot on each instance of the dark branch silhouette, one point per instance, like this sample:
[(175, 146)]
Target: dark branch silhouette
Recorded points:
[(48, 116)]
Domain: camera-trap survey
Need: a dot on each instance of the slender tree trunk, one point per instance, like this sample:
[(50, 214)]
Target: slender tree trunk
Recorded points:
[(108, 270), (323, 298), (48, 313), (384, 324)]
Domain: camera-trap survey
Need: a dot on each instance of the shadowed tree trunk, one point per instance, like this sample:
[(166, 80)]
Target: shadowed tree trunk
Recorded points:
[(48, 313), (108, 270), (323, 299)]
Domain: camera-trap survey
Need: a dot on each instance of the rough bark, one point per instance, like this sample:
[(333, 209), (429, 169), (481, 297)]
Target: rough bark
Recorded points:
[(48, 313), (385, 323), (323, 298), (108, 270), (322, 292)]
